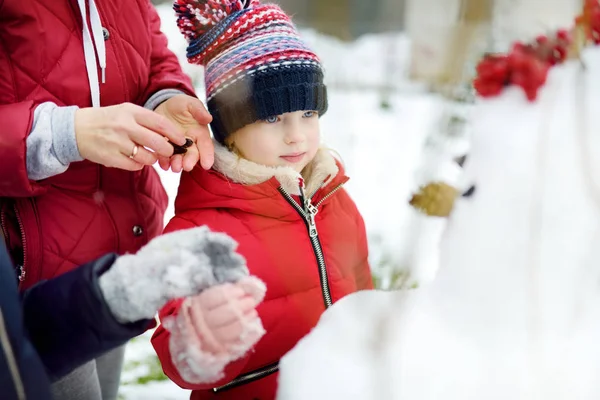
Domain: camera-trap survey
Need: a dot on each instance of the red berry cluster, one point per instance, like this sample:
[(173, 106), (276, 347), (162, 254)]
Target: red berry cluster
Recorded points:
[(553, 51), (493, 73), (526, 65), (590, 20)]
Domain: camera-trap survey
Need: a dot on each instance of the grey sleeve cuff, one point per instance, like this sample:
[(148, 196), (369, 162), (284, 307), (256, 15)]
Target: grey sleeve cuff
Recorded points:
[(51, 144), (161, 96)]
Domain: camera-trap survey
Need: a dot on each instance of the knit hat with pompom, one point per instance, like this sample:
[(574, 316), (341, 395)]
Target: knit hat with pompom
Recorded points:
[(256, 65)]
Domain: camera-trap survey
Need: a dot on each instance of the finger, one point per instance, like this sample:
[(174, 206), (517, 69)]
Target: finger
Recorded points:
[(199, 112), (124, 162), (144, 156), (190, 158), (230, 332), (219, 295), (246, 304), (246, 332), (177, 163), (220, 317), (160, 125), (226, 314), (250, 336), (253, 287), (205, 146), (202, 330), (151, 140), (120, 155), (164, 163)]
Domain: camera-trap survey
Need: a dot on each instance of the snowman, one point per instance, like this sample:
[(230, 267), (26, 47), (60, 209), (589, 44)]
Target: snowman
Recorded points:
[(514, 310)]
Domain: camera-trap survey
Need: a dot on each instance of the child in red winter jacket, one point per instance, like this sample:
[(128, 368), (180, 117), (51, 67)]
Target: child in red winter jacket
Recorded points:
[(274, 190)]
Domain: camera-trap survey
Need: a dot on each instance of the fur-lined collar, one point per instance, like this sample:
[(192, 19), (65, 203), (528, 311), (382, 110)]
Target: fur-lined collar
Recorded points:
[(320, 171)]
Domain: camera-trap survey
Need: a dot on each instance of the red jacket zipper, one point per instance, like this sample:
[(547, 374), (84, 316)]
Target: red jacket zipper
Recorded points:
[(22, 271), (23, 240)]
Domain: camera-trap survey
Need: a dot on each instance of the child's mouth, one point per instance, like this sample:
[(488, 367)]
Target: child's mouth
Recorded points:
[(293, 158)]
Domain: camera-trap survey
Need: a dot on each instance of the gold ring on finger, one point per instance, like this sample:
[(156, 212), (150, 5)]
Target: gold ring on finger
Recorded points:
[(134, 151)]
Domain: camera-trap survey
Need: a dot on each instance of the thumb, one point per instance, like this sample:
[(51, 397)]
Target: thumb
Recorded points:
[(199, 112), (253, 287)]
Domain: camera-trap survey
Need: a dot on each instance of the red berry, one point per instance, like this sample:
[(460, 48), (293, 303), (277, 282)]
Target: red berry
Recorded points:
[(492, 75), (487, 88), (559, 54), (531, 93), (595, 19), (518, 46), (563, 34), (542, 39), (529, 69), (500, 71)]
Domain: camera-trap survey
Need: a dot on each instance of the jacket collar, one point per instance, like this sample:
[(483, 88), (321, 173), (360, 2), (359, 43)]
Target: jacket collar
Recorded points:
[(235, 183), (320, 172)]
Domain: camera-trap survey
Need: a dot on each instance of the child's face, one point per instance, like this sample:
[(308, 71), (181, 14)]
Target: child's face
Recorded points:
[(290, 139)]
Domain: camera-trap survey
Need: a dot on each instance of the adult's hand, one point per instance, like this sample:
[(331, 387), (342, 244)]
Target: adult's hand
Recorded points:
[(175, 265), (189, 114), (117, 136)]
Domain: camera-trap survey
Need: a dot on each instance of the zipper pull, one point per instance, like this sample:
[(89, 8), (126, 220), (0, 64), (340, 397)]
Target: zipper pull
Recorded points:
[(310, 209), (312, 226), (21, 273)]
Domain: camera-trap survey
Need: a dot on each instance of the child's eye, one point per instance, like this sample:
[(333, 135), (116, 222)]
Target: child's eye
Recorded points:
[(272, 119), (309, 114)]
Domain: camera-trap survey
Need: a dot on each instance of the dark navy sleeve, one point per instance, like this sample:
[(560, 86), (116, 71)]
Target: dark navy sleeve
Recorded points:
[(22, 374), (68, 321)]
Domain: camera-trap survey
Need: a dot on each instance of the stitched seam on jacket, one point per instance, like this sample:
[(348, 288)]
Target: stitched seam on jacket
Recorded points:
[(42, 4), (12, 72), (40, 83)]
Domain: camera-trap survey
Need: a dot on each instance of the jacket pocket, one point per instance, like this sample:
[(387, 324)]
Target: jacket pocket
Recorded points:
[(26, 223), (249, 377)]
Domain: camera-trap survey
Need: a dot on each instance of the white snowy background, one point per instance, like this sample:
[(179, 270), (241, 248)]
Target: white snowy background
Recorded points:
[(380, 147)]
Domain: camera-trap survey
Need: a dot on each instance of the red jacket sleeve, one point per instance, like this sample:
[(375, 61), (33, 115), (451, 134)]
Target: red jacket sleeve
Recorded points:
[(161, 337), (362, 269), (165, 70), (17, 120)]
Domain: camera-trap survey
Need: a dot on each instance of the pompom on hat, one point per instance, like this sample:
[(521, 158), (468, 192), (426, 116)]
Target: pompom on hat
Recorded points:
[(256, 65)]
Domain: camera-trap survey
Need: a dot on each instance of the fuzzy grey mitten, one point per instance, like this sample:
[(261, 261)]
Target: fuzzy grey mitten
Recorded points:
[(174, 265)]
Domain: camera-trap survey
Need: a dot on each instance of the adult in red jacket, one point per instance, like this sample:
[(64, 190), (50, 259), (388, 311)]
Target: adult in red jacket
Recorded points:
[(80, 81), (304, 273)]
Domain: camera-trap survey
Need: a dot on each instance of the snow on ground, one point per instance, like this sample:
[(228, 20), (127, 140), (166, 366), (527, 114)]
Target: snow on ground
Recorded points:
[(142, 377), (379, 147)]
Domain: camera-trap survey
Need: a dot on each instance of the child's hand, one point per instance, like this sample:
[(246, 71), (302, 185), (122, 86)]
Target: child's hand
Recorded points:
[(174, 265), (215, 328), (189, 114)]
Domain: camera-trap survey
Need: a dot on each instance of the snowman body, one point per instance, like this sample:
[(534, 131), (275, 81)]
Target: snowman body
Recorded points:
[(514, 311)]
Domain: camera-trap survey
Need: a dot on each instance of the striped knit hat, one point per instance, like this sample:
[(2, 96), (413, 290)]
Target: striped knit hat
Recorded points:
[(256, 66)]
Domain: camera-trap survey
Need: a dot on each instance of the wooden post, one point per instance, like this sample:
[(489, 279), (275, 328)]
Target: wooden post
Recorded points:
[(474, 16), (443, 42)]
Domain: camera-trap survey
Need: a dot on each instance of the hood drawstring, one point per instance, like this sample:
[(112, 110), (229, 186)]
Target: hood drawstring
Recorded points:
[(91, 47)]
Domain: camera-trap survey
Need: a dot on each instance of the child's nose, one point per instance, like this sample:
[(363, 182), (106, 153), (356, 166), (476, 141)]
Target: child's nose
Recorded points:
[(294, 134)]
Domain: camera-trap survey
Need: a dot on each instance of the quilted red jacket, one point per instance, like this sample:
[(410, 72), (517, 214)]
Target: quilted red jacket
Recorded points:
[(89, 210), (303, 273)]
